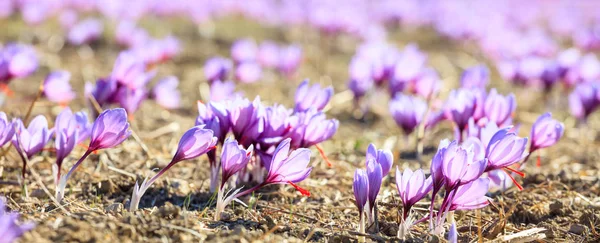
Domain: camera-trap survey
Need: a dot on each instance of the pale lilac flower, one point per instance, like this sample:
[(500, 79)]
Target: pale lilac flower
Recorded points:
[(7, 129), (67, 18), (453, 233), (382, 157), (244, 50), (471, 195), (31, 140), (216, 118), (83, 126), (311, 128), (360, 77), (545, 132), (222, 91), (458, 165), (195, 142), (217, 68), (427, 85), (10, 230), (131, 99), (248, 72), (476, 77), (247, 120), (412, 187), (277, 127), (17, 61), (57, 88), (584, 100), (499, 109), (410, 64), (268, 54), (407, 111), (86, 31), (129, 35), (109, 130), (130, 71), (505, 149), (375, 177), (155, 51), (234, 158), (166, 94), (361, 189), (290, 58), (461, 107), (65, 130), (312, 96)]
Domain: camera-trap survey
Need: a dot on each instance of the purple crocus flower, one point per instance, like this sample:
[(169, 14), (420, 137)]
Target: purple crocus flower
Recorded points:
[(57, 88), (131, 99), (584, 100), (374, 172), (471, 195), (130, 71), (382, 157), (290, 58), (244, 50), (7, 129), (109, 130), (247, 120), (17, 61), (86, 31), (409, 65), (166, 94), (127, 34), (31, 140), (427, 84), (217, 68), (234, 158), (361, 190), (195, 142), (312, 96), (268, 54), (222, 91), (10, 230), (407, 111), (159, 50), (458, 165), (587, 69), (360, 77), (412, 187), (505, 149), (545, 132), (248, 72), (499, 109), (104, 91), (461, 106), (277, 126), (83, 126), (65, 129), (310, 128), (476, 77)]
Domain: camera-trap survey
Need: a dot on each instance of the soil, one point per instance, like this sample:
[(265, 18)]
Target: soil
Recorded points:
[(562, 196)]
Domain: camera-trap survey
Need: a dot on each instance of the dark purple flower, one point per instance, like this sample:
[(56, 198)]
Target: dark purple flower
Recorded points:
[(248, 72), (499, 109), (476, 77), (57, 88), (412, 187), (244, 50), (361, 190), (545, 132), (104, 91), (86, 31), (217, 68), (407, 111), (166, 94), (10, 230), (584, 100), (312, 96)]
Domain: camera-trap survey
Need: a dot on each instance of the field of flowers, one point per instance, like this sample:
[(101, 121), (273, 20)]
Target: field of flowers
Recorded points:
[(295, 121)]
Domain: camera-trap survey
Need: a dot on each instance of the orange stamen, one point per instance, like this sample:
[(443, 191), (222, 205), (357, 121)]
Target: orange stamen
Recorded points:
[(513, 180), (323, 154), (539, 161), (300, 189)]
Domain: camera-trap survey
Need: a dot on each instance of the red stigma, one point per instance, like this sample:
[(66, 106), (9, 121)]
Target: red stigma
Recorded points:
[(6, 90), (323, 155), (539, 161), (300, 189), (512, 178)]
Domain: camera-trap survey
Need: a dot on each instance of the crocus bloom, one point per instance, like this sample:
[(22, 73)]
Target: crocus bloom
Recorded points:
[(504, 149), (407, 111), (17, 61), (10, 230), (412, 187), (458, 165), (158, 50), (127, 34), (460, 107), (110, 129), (244, 50), (166, 94), (221, 91), (471, 195), (584, 100), (215, 118), (277, 126), (476, 77), (130, 71), (545, 132), (427, 84), (7, 129), (247, 119), (268, 54), (310, 128), (375, 177), (289, 59), (361, 189), (85, 31), (248, 72), (360, 77), (57, 88), (32, 140), (65, 129), (131, 99), (499, 109), (195, 142), (382, 157), (104, 91), (233, 159), (312, 96), (217, 68)]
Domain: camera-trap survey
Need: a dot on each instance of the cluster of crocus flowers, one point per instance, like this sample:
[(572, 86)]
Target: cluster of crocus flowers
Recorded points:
[(367, 183), (127, 85), (10, 228), (16, 61), (253, 124)]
